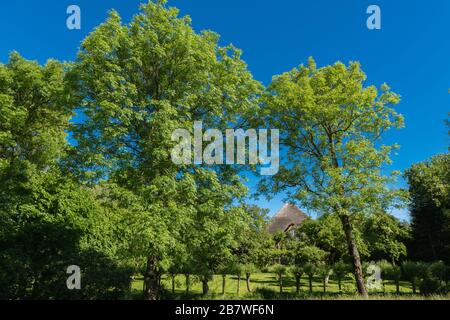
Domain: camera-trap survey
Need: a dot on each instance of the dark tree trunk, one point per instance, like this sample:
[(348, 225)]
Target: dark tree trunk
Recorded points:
[(297, 282), (205, 286), (224, 279), (397, 286), (339, 285), (188, 282), (248, 282), (239, 284), (151, 280), (414, 285), (354, 254), (324, 282)]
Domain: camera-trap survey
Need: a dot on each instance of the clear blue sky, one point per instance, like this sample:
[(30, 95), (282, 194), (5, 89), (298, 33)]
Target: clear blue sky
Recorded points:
[(411, 52)]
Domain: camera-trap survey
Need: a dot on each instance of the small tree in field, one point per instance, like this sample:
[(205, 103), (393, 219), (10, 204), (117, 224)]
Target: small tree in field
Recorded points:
[(414, 271), (237, 269), (248, 269), (324, 271), (438, 270), (173, 271), (340, 271)]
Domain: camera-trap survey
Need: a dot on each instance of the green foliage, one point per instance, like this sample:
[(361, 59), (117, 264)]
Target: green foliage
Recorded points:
[(35, 108), (59, 223), (386, 237), (439, 270), (331, 126), (159, 76), (414, 272), (341, 270), (278, 269)]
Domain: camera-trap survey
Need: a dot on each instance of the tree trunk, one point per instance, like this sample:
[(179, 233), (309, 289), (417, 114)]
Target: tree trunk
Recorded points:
[(188, 282), (173, 283), (205, 286), (224, 278), (414, 286), (324, 285), (397, 286), (339, 284), (297, 283), (248, 282), (151, 280), (354, 254), (238, 284)]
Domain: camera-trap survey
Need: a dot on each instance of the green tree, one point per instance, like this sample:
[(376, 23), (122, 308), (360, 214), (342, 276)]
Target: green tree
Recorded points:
[(414, 272), (429, 187), (324, 271), (48, 220), (237, 270), (340, 271), (297, 271), (439, 269), (394, 273), (331, 127), (326, 233), (138, 83), (249, 268)]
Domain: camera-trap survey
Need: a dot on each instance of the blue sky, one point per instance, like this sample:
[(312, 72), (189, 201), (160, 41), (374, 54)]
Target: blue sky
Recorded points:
[(411, 52)]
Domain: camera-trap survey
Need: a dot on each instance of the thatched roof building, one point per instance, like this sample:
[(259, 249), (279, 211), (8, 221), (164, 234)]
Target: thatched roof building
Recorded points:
[(286, 219)]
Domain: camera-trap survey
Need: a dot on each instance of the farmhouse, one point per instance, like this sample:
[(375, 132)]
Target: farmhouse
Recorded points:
[(287, 219)]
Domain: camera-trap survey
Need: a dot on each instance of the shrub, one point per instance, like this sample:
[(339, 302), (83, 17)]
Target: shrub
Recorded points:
[(310, 270)]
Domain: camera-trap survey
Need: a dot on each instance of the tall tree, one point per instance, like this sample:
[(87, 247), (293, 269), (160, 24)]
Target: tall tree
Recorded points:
[(139, 83), (331, 127)]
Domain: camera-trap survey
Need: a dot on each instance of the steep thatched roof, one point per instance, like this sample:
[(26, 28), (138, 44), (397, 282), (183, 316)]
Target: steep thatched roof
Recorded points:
[(288, 216)]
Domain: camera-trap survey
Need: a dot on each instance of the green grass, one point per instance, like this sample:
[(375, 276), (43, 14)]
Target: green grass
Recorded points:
[(270, 289)]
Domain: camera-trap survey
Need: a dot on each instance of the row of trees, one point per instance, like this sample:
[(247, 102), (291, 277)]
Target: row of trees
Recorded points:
[(86, 176)]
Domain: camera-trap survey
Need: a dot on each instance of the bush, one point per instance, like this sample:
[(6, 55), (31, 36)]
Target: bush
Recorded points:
[(266, 294), (340, 271)]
